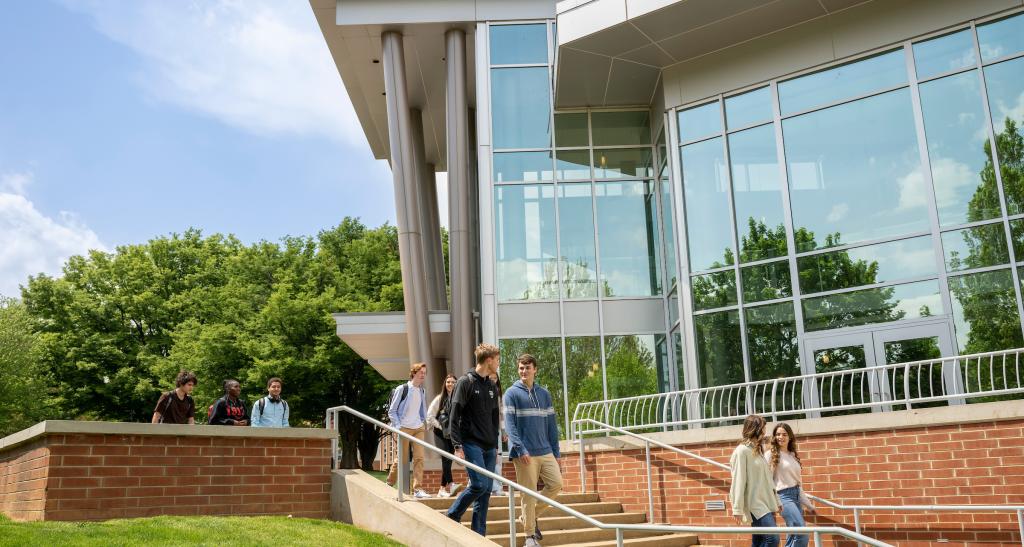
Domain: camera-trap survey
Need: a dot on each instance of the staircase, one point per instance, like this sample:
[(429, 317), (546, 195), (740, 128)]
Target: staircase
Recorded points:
[(561, 529)]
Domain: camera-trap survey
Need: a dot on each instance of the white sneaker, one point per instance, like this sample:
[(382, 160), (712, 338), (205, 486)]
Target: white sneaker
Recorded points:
[(531, 542), (420, 494), (442, 493), (454, 489)]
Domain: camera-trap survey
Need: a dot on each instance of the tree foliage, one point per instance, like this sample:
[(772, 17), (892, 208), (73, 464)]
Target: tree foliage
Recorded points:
[(23, 380)]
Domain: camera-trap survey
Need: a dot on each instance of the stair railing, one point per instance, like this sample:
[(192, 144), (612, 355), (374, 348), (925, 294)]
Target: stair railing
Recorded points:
[(817, 532), (857, 509)]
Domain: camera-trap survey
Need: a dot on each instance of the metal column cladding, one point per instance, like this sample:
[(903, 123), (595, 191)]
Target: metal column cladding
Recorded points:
[(460, 215), (407, 208), (433, 256)]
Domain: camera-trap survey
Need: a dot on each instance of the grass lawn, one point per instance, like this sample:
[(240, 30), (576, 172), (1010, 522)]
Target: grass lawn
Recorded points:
[(380, 475), (176, 531)]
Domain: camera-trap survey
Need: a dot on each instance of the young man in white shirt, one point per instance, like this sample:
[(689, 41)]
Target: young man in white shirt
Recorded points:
[(408, 412)]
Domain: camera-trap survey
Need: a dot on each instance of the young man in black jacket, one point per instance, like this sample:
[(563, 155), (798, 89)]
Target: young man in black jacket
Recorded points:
[(473, 425), (229, 409)]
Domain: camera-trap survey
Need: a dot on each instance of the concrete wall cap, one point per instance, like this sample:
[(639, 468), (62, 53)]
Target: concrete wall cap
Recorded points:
[(54, 427)]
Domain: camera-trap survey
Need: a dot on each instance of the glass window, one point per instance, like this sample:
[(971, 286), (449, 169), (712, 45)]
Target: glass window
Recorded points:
[(1001, 38), (868, 306), (621, 128), (522, 166), (571, 129), (576, 237), (521, 107), (548, 352), (1005, 83), (714, 290), (843, 82), (1017, 234), (766, 281), (706, 188), (573, 164), (954, 125), (519, 44), (627, 228), (944, 54), (524, 219), (772, 341), (719, 349), (617, 163), (985, 312), (890, 261), (699, 122), (855, 172), (673, 308), (757, 193), (668, 226), (583, 373), (633, 365), (677, 345), (749, 108), (975, 247)]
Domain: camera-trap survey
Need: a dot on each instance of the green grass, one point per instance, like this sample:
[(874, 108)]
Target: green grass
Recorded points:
[(379, 475), (176, 531)]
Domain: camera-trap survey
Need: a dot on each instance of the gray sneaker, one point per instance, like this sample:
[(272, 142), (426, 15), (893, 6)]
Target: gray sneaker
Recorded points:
[(531, 542)]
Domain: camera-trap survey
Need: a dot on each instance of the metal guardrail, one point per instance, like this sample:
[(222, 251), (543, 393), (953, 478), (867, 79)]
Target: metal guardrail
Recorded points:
[(950, 380), (816, 531), (857, 509)]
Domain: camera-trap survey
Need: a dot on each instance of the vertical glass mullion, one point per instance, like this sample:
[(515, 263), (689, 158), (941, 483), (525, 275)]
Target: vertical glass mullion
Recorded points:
[(998, 174), (597, 261), (735, 245)]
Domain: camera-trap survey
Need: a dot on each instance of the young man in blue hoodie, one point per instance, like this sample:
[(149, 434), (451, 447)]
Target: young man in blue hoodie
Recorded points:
[(532, 429)]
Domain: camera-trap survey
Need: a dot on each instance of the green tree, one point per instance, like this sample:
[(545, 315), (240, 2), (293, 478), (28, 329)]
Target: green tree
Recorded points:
[(22, 400)]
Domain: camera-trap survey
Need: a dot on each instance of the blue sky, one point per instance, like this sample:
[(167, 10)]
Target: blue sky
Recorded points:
[(121, 121)]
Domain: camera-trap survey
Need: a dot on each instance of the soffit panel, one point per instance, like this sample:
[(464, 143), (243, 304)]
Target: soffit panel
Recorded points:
[(582, 78), (613, 40), (650, 54), (631, 84), (682, 17)]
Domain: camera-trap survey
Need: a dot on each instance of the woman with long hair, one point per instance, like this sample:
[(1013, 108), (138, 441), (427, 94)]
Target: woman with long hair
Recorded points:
[(437, 417), (752, 493), (785, 464)]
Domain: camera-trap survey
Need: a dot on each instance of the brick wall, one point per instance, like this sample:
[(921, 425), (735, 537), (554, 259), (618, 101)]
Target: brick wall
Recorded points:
[(94, 476)]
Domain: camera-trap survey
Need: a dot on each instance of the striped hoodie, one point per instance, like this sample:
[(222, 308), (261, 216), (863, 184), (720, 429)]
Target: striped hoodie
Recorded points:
[(530, 421)]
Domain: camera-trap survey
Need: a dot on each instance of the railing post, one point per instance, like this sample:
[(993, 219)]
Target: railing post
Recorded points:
[(512, 517), (650, 488), (817, 539), (906, 383), (400, 473), (618, 537), (775, 386), (856, 523), (1020, 524), (583, 465)]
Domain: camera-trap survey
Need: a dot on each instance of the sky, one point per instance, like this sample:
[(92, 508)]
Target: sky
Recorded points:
[(121, 121)]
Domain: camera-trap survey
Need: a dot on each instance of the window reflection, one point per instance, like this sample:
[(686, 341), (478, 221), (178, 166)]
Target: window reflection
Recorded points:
[(944, 54), (548, 352), (1001, 38), (525, 242), (843, 82), (719, 350), (633, 364), (772, 341), (985, 312), (668, 227), (868, 306), (522, 166), (621, 128), (519, 44), (615, 163), (714, 290), (766, 281), (706, 187), (573, 164), (571, 129), (749, 108), (584, 375), (628, 238), (975, 247), (1005, 82), (957, 137), (701, 121), (855, 172), (576, 237), (867, 265), (520, 107), (757, 192)]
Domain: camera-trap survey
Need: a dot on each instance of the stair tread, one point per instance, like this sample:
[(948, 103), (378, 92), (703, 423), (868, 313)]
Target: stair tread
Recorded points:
[(676, 539), (559, 522), (567, 499), (574, 536)]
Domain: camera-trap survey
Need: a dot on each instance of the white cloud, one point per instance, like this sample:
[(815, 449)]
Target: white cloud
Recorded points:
[(260, 65), (31, 242), (838, 212)]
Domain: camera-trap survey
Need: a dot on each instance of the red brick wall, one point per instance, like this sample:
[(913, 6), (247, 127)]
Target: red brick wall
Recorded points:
[(103, 476), (957, 464)]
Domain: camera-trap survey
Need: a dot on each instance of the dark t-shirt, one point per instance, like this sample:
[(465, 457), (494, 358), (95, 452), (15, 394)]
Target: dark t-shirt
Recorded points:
[(175, 410)]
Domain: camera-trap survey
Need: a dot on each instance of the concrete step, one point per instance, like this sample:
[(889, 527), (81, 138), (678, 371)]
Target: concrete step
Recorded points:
[(667, 540), (567, 537), (564, 522), (566, 498), (500, 511)]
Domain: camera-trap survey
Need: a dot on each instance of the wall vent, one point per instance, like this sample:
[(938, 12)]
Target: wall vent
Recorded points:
[(714, 505)]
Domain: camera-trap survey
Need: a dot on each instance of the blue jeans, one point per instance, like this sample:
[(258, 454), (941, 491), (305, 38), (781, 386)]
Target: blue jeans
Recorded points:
[(764, 540), (793, 514), (479, 491)]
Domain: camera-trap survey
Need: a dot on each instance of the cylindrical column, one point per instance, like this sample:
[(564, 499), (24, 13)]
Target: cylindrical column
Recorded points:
[(474, 226), (407, 209), (430, 230), (459, 214)]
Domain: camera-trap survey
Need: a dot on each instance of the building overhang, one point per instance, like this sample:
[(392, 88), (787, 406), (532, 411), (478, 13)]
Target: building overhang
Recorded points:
[(612, 52), (380, 338)]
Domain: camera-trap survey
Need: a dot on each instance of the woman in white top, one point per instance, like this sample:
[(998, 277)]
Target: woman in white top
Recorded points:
[(438, 412), (785, 465)]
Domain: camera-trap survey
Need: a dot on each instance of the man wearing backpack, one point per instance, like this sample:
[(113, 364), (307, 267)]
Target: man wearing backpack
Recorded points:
[(408, 412), (176, 406), (230, 409), (272, 410)]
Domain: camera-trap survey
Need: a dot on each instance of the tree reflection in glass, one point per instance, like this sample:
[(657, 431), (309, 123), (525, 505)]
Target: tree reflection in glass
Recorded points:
[(548, 352)]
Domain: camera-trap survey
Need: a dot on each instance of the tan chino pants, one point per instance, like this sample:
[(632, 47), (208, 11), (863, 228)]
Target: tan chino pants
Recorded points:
[(540, 467), (417, 458)]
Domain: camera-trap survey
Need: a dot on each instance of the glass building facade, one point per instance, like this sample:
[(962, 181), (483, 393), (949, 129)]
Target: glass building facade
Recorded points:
[(863, 213)]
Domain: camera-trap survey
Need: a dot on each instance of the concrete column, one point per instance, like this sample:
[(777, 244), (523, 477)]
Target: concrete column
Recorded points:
[(459, 214), (407, 209), (474, 225), (433, 255)]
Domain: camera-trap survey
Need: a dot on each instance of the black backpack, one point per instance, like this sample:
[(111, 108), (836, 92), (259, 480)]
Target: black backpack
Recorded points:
[(263, 405), (444, 418)]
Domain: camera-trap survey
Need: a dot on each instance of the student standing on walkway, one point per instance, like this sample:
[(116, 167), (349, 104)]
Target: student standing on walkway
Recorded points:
[(474, 432), (272, 410), (230, 409), (438, 416), (408, 412), (533, 435), (785, 464), (752, 493)]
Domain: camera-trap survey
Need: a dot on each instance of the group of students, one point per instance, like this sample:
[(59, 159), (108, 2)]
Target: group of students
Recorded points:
[(178, 407), (466, 419), (766, 479)]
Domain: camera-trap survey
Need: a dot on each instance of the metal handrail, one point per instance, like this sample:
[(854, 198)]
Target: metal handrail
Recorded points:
[(816, 531), (857, 509), (951, 379)]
